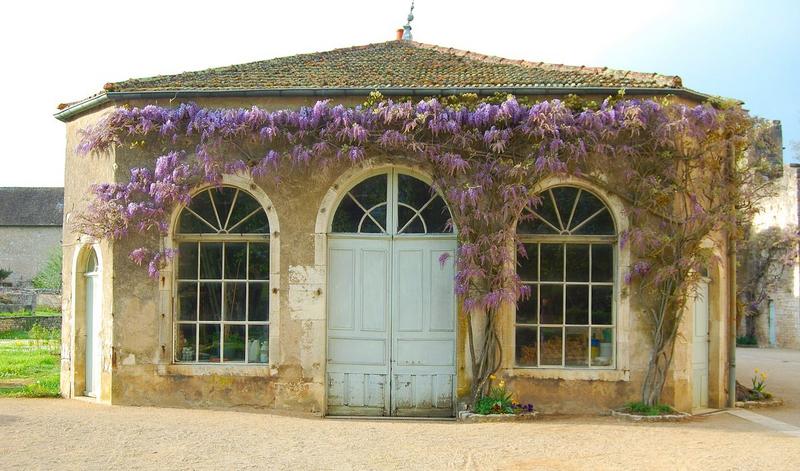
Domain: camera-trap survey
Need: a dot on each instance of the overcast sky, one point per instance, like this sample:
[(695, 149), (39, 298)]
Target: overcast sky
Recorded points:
[(63, 51)]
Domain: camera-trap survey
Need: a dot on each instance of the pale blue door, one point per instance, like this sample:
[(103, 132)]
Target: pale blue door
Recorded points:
[(700, 346), (773, 331)]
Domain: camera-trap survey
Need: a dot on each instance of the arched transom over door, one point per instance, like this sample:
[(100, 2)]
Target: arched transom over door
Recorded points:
[(391, 304)]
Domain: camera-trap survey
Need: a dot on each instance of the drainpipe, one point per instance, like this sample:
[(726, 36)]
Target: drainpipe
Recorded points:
[(732, 295)]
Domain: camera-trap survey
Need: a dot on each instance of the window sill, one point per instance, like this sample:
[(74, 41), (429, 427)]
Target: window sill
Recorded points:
[(569, 374), (214, 369)]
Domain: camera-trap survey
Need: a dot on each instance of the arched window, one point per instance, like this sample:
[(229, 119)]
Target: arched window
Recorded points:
[(569, 319), (222, 298), (392, 203)]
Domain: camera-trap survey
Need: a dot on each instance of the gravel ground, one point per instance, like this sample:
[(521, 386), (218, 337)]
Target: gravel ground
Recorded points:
[(71, 434), (783, 379)]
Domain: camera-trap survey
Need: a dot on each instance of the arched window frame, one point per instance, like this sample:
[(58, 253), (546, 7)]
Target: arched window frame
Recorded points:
[(619, 311), (169, 285)]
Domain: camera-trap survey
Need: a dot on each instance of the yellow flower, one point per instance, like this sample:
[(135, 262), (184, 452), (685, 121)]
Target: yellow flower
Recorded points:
[(763, 376), (756, 370), (502, 384), (492, 377)]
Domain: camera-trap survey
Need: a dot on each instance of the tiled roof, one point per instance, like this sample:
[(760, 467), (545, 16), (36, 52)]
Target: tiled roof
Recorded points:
[(395, 64), (21, 206)]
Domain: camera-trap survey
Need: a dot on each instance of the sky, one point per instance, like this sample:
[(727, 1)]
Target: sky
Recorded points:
[(54, 52)]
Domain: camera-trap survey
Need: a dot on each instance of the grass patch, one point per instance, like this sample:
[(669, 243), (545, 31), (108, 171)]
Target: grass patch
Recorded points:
[(640, 408), (42, 311), (29, 367)]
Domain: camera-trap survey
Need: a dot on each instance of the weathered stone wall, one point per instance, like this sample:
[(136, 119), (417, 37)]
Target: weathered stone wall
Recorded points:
[(781, 211), (25, 249), (137, 345), (26, 322)]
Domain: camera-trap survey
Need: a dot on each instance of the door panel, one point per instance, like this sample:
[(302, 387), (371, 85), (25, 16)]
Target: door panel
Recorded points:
[(358, 317), (423, 350), (700, 348)]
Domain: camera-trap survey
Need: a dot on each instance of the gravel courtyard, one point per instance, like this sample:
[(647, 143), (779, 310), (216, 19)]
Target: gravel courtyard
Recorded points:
[(72, 434)]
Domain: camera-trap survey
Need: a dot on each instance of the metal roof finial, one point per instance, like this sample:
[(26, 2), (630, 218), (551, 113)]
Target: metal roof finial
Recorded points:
[(407, 26)]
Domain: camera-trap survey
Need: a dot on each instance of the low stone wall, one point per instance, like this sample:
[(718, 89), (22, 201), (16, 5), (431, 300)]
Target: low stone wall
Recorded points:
[(26, 322)]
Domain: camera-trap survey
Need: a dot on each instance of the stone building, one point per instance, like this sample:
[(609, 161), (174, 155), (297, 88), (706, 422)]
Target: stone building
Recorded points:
[(328, 289), (30, 229), (778, 321)]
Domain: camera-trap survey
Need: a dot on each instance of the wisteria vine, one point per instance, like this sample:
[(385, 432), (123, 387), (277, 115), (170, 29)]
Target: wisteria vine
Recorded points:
[(664, 159)]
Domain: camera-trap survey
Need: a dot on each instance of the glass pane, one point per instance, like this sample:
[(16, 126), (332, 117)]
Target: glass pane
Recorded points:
[(223, 200), (347, 216), (187, 261), (601, 305), (602, 262), (577, 304), (185, 344), (551, 262), (187, 301), (436, 216), (414, 227), (565, 199), (235, 301), (547, 211), (532, 224), (235, 260), (234, 342), (412, 192), (577, 262), (210, 301), (576, 348), (255, 224), (258, 344), (528, 264), (602, 346), (404, 214), (201, 204), (526, 308), (259, 302), (259, 261), (379, 215), (551, 338), (208, 351), (371, 191), (211, 261), (244, 207), (551, 304), (526, 346), (189, 224), (588, 204), (602, 224)]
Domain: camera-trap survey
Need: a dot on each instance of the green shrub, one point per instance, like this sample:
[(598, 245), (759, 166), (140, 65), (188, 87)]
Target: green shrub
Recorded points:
[(5, 274), (746, 340), (49, 277), (641, 408)]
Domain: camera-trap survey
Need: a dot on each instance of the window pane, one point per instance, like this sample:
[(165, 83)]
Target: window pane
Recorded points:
[(601, 305), (259, 302), (235, 260), (210, 301), (259, 261), (588, 204), (526, 308), (551, 338), (565, 199), (258, 344), (187, 261), (526, 346), (551, 262), (602, 346), (189, 224), (436, 216), (577, 346), (244, 208), (577, 262), (528, 264), (234, 342), (187, 301), (209, 343), (547, 212), (551, 307), (600, 224), (347, 216), (211, 261), (201, 204), (602, 263), (404, 215), (371, 191), (577, 304), (223, 200), (412, 192), (235, 301), (185, 344), (255, 224)]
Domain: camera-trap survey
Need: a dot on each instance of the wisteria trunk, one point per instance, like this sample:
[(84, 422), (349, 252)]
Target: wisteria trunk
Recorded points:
[(486, 361), (666, 320)]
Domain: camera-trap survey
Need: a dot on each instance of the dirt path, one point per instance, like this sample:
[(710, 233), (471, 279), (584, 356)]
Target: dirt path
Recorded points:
[(70, 434)]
